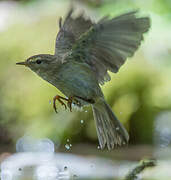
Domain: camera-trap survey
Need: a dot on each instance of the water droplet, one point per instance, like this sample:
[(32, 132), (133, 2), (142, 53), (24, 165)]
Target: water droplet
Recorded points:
[(67, 146), (98, 147), (82, 121), (65, 168), (117, 128), (67, 140), (70, 145), (86, 111), (50, 101)]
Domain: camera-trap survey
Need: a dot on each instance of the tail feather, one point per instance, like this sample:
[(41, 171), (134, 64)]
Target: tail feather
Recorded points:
[(109, 130)]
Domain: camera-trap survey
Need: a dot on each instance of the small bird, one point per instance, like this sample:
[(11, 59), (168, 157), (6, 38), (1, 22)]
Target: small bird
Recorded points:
[(85, 51)]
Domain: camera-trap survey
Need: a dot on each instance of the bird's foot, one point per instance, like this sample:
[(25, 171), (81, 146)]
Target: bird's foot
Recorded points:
[(59, 98), (72, 99), (69, 104), (69, 100)]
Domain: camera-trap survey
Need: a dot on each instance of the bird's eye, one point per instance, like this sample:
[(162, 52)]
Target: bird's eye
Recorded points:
[(38, 61)]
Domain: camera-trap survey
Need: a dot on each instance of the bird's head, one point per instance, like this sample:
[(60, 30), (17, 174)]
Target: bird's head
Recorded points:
[(39, 63)]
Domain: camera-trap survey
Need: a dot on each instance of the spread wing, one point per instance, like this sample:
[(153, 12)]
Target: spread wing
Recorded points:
[(107, 44), (70, 32)]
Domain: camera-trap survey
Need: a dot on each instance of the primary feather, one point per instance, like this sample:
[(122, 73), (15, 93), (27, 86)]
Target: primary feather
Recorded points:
[(103, 46), (107, 44), (70, 32)]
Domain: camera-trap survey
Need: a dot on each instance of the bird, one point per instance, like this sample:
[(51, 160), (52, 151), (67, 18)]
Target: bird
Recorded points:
[(85, 52)]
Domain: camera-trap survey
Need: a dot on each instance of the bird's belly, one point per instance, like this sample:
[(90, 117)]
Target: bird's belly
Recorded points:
[(75, 87), (73, 82)]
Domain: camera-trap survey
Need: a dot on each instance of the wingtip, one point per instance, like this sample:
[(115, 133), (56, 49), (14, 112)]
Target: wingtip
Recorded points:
[(70, 12), (60, 22)]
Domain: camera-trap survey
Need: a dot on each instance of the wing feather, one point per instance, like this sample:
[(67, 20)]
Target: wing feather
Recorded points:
[(70, 31), (107, 44)]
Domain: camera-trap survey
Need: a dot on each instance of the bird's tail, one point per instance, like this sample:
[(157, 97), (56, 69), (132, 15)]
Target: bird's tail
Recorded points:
[(109, 130)]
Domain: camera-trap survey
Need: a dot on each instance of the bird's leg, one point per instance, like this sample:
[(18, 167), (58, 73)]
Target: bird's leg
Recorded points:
[(59, 99), (74, 98), (69, 104), (70, 101)]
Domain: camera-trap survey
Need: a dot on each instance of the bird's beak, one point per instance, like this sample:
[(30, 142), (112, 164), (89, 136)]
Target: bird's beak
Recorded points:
[(22, 63)]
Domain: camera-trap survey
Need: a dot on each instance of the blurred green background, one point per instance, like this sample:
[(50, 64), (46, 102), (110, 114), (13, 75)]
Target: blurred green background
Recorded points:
[(137, 94)]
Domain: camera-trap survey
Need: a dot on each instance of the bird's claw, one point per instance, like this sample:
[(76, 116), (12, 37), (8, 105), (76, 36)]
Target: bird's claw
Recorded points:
[(63, 104), (59, 99), (69, 102)]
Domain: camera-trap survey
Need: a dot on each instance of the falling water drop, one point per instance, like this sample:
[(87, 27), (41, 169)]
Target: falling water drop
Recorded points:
[(67, 146), (117, 128), (82, 121)]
